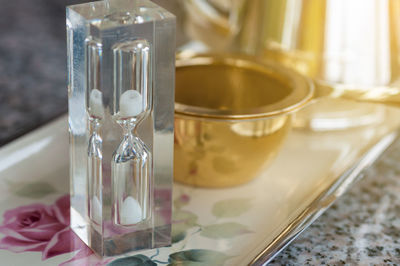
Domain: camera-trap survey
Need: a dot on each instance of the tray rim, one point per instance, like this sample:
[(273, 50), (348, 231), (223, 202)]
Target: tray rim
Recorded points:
[(322, 202)]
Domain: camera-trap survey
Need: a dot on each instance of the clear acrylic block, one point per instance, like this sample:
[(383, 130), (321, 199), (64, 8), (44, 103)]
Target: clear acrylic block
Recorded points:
[(121, 65)]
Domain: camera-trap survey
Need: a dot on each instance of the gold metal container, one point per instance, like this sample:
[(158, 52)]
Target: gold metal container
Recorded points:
[(232, 114)]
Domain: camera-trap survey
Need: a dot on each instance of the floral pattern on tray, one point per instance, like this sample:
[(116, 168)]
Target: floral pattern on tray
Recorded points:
[(44, 228), (38, 227)]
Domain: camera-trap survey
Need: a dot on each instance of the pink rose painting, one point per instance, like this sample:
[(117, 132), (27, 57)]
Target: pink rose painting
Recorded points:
[(43, 228)]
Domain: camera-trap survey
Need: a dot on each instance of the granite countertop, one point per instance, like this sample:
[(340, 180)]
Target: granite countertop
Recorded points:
[(361, 228)]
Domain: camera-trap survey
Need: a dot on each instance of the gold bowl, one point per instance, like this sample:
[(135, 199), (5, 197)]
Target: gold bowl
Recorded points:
[(232, 114)]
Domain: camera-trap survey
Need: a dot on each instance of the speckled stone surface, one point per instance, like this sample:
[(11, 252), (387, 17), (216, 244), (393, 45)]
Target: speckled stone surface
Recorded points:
[(361, 228)]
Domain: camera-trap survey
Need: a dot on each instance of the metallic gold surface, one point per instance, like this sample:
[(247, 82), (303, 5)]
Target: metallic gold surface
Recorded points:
[(231, 116), (350, 55)]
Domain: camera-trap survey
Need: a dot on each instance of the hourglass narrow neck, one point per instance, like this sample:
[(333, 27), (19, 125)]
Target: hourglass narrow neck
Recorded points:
[(129, 130), (95, 123), (129, 126)]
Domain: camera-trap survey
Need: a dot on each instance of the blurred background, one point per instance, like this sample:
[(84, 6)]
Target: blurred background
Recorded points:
[(33, 65), (354, 52)]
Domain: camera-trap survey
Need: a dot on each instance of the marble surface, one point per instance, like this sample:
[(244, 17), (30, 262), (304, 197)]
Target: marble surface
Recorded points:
[(362, 228)]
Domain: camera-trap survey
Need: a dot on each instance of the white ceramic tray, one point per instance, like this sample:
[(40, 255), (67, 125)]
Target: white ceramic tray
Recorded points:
[(243, 225)]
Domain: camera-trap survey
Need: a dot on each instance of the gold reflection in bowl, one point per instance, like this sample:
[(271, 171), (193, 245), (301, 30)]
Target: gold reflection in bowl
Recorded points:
[(231, 117)]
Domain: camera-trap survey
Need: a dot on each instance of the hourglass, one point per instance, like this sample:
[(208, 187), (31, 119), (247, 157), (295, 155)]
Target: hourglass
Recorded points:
[(132, 161), (96, 115), (121, 72)]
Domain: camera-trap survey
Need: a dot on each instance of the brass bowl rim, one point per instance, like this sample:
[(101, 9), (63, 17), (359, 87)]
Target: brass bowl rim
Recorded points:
[(301, 94)]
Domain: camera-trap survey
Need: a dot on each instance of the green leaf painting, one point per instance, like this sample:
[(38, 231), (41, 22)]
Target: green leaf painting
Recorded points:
[(139, 260), (231, 207), (224, 230), (177, 235), (182, 221), (195, 257), (34, 190), (185, 217)]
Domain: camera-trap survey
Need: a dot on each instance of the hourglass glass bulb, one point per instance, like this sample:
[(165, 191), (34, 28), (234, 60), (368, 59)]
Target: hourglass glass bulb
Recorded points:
[(96, 108), (132, 161), (130, 103)]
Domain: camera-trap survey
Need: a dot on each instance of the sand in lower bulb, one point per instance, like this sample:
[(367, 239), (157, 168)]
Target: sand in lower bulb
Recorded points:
[(131, 212)]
